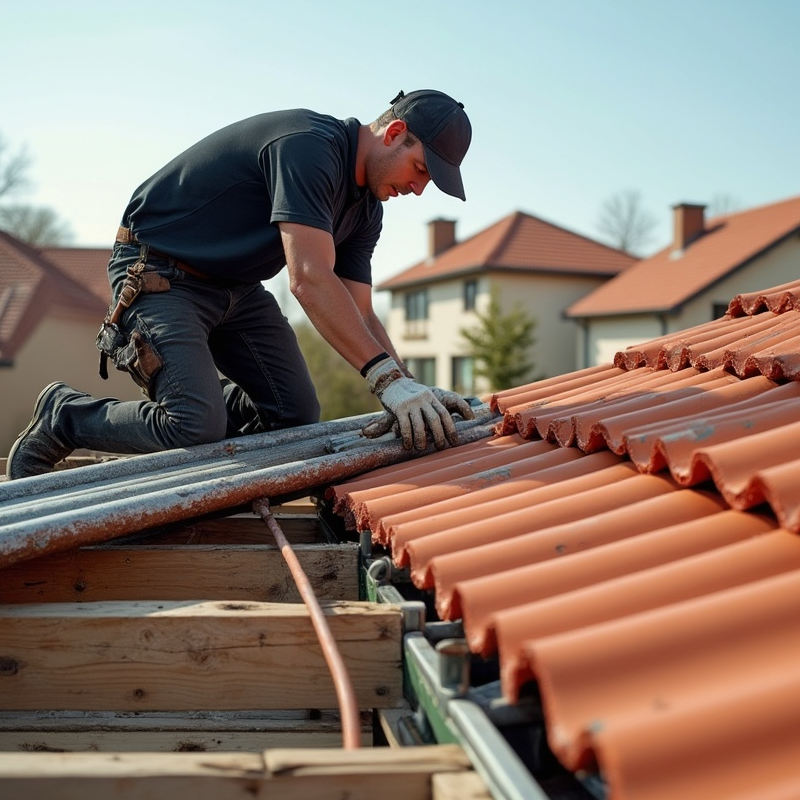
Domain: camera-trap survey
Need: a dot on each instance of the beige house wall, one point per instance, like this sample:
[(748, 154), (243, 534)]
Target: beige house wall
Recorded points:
[(603, 337), (61, 349), (544, 297), (777, 266), (606, 336)]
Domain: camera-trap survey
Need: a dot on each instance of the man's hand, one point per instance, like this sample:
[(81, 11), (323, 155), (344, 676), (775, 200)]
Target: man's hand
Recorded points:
[(453, 402), (415, 408)]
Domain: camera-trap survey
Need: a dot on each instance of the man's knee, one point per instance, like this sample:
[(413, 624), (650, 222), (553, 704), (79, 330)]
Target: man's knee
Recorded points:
[(194, 429)]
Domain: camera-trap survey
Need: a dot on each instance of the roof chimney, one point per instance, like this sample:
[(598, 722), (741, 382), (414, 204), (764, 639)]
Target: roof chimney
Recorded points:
[(441, 236), (688, 224)]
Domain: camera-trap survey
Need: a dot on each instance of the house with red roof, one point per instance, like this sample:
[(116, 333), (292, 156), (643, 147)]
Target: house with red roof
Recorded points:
[(526, 261), (690, 281), (51, 304)]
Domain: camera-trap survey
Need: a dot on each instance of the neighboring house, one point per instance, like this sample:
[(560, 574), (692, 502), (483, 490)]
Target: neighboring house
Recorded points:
[(529, 263), (689, 282), (52, 302)]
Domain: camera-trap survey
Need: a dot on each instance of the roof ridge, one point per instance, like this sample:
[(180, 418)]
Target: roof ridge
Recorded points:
[(583, 236)]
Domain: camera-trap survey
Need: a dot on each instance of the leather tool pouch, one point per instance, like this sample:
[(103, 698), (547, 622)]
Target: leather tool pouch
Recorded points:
[(131, 352)]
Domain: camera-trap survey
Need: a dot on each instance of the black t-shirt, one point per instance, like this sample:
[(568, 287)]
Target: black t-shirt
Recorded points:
[(216, 205)]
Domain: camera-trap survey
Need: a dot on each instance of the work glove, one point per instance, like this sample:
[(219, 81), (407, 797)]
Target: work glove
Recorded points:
[(413, 409)]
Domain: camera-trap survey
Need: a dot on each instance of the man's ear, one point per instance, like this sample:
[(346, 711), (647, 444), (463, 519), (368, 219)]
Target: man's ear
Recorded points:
[(393, 130)]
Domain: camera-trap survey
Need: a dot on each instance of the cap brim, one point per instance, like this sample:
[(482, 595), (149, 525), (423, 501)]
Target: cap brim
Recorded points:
[(444, 174)]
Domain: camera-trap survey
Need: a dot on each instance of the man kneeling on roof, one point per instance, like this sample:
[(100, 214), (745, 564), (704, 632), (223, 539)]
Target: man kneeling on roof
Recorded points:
[(288, 188)]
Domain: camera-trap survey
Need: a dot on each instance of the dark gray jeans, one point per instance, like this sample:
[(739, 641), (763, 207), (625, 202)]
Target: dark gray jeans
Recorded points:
[(200, 331)]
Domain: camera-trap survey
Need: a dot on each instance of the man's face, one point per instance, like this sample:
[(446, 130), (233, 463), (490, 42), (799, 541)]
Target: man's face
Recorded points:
[(397, 169)]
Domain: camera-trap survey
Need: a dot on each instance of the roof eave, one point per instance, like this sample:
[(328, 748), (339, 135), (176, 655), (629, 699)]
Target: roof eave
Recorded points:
[(678, 307), (486, 268)]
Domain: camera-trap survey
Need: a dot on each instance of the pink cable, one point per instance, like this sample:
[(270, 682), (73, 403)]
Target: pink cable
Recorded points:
[(348, 707)]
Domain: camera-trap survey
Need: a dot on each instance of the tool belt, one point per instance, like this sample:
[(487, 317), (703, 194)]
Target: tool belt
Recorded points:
[(131, 352), (127, 236)]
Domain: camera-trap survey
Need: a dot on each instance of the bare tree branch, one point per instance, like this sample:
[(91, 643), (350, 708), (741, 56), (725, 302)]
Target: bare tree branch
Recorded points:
[(628, 226), (39, 227), (723, 203), (13, 169)]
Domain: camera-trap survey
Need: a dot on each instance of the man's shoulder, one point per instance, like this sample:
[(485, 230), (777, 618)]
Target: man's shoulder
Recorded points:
[(295, 121)]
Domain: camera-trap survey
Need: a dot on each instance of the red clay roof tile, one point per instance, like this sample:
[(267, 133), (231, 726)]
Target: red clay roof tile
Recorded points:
[(733, 642), (31, 284), (518, 242), (647, 587), (667, 280)]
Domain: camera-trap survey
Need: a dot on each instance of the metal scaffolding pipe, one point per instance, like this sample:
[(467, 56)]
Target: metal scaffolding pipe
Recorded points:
[(175, 474), (134, 484), (213, 452), (77, 519)]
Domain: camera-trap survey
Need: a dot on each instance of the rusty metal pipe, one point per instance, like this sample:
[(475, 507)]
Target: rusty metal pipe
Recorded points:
[(192, 456), (89, 519), (348, 706), (176, 473)]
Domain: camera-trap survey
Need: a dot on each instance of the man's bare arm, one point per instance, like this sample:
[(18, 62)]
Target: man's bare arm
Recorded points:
[(362, 296), (326, 300)]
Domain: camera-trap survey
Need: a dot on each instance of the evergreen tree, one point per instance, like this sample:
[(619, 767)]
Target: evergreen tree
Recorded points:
[(499, 344)]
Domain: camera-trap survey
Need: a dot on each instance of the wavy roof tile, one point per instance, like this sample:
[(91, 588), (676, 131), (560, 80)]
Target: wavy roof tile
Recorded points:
[(667, 280), (519, 242), (629, 541)]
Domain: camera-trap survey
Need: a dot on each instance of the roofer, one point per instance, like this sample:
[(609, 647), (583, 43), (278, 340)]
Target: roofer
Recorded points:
[(288, 188)]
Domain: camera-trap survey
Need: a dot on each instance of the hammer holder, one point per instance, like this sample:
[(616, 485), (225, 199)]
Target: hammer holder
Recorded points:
[(111, 338)]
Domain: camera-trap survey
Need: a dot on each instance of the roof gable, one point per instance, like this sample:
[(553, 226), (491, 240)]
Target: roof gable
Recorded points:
[(518, 242), (32, 284), (85, 265), (667, 280)]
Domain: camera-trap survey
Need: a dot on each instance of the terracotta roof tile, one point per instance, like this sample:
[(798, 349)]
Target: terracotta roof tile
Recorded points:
[(30, 284), (665, 281), (480, 599), (85, 265), (518, 242), (729, 643), (647, 583)]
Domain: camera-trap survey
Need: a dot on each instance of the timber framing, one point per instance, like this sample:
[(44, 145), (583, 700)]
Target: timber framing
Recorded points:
[(181, 662), (280, 774), (193, 655)]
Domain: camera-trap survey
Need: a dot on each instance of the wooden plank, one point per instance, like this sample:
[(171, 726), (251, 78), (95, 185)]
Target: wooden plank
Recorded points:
[(393, 722), (166, 572), (236, 731), (388, 773), (459, 786), (183, 656), (299, 528), (436, 758), (356, 774), (132, 776)]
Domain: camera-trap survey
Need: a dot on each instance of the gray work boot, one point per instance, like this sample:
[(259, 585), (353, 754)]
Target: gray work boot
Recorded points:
[(37, 448)]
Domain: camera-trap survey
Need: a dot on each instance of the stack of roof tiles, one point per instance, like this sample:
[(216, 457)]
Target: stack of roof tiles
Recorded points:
[(628, 540)]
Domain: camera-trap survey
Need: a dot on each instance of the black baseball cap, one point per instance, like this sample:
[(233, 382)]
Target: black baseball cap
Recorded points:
[(440, 123)]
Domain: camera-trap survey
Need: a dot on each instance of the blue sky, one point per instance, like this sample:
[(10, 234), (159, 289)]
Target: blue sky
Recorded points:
[(571, 102)]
